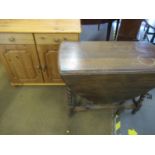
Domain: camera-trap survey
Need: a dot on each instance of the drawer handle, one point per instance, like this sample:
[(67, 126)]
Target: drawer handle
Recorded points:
[(12, 39), (43, 38), (57, 40), (38, 67), (65, 39)]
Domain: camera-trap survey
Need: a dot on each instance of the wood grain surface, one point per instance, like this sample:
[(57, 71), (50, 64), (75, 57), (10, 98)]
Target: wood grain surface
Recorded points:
[(21, 63), (108, 72), (106, 57), (40, 25), (16, 38)]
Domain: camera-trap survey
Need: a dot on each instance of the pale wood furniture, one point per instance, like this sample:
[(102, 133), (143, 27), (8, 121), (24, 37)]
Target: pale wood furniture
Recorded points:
[(108, 72), (29, 48)]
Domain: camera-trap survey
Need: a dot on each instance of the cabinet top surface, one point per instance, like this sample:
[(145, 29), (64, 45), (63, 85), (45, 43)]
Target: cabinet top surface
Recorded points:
[(103, 57), (40, 26)]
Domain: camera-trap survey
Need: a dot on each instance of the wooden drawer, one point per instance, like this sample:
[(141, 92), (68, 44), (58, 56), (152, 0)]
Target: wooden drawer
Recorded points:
[(55, 38), (16, 38)]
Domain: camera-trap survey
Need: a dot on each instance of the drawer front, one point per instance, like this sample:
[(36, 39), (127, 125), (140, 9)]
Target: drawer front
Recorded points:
[(55, 38), (14, 38)]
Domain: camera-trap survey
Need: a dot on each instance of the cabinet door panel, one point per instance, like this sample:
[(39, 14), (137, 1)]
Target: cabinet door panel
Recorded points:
[(48, 55), (52, 66), (21, 62)]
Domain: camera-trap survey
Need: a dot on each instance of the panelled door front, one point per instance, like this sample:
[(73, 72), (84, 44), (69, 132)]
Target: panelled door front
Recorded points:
[(48, 55), (22, 63), (48, 46)]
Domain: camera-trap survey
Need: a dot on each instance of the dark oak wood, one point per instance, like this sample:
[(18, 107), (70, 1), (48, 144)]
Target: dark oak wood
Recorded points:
[(95, 21), (129, 29), (108, 71)]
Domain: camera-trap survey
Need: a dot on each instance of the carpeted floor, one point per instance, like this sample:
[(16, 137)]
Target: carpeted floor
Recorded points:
[(44, 110)]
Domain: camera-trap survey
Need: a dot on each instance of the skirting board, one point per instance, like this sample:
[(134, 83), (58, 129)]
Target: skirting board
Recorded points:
[(38, 84)]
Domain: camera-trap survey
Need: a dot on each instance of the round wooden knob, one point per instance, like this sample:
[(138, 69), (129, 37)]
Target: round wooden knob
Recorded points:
[(43, 38), (57, 40), (12, 39), (65, 39)]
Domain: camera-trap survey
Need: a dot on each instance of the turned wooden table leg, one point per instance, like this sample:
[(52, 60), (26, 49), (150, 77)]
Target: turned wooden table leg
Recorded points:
[(71, 101)]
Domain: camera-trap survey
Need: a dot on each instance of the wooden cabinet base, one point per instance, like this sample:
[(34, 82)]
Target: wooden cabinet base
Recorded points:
[(37, 84)]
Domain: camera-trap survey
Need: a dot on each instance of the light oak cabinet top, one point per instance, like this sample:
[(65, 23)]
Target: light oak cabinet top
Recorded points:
[(40, 26)]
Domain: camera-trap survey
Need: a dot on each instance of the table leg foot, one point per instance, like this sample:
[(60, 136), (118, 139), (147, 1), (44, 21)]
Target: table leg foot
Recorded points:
[(138, 103)]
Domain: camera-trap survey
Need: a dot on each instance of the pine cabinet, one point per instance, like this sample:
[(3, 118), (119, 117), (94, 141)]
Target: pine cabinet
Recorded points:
[(22, 63), (31, 56)]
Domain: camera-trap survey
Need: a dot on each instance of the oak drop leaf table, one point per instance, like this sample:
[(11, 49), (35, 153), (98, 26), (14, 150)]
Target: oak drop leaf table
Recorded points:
[(108, 72)]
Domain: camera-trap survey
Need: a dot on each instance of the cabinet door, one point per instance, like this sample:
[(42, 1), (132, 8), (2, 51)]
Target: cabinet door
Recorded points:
[(48, 55), (22, 63)]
